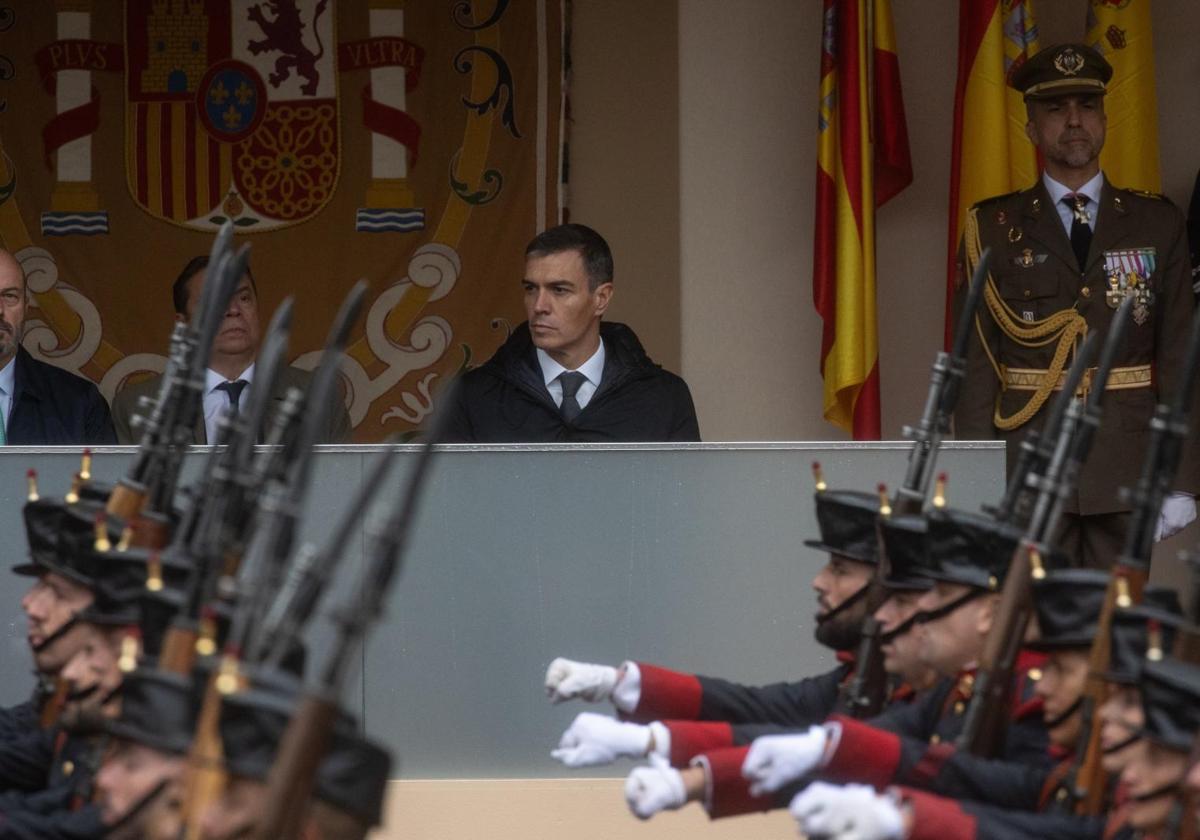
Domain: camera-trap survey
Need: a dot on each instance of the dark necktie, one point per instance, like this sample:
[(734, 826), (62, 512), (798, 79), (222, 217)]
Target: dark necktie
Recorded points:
[(1081, 231), (234, 391), (571, 382)]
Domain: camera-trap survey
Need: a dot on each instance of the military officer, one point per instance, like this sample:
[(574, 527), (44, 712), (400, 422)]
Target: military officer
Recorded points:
[(1064, 254)]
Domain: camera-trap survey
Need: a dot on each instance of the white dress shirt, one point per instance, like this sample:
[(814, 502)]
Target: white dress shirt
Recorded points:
[(592, 369), (1091, 189), (216, 401), (8, 384)]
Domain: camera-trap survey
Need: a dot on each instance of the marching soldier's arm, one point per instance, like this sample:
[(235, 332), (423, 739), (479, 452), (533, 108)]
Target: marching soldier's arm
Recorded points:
[(933, 817), (973, 415), (673, 694)]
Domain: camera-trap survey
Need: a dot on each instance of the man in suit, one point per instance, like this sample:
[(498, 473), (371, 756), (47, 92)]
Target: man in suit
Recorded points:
[(230, 364), (1065, 254), (40, 403), (563, 376)]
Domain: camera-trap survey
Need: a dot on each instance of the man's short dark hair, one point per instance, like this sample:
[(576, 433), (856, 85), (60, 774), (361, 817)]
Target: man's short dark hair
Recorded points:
[(179, 289), (597, 258)]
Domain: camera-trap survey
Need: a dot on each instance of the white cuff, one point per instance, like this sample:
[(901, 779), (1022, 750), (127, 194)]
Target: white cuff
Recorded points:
[(628, 691), (662, 739)]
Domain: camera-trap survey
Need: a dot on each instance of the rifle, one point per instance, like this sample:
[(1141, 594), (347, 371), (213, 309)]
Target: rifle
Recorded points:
[(985, 722), (274, 525), (306, 739), (987, 715), (203, 534), (866, 692), (148, 489), (1168, 433)]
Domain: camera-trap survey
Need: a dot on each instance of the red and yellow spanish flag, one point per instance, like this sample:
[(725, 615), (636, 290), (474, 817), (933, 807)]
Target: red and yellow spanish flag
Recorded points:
[(1121, 30), (862, 161), (991, 155)]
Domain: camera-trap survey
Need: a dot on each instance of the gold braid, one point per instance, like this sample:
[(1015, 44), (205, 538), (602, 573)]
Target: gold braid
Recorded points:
[(1066, 326)]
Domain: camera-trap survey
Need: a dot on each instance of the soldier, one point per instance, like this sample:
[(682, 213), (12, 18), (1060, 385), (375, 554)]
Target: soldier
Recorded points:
[(350, 784), (1065, 253), (645, 693), (968, 556)]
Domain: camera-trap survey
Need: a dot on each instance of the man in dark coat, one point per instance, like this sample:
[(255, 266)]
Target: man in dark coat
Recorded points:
[(563, 376), (41, 404)]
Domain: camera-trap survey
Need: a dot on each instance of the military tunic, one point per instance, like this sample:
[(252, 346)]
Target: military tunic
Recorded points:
[(1038, 299)]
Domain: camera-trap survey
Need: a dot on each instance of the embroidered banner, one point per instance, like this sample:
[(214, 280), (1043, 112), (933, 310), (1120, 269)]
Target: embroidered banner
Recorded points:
[(415, 144)]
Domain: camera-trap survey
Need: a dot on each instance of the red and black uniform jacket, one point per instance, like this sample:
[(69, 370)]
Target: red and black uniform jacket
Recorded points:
[(942, 818), (702, 713), (908, 743)]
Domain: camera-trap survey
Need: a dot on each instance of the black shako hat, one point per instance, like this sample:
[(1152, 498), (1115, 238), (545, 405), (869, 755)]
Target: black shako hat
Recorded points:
[(1171, 703), (1068, 603), (847, 522), (1130, 633), (1062, 70), (904, 542), (352, 776), (60, 536), (158, 710), (973, 549), (122, 579)]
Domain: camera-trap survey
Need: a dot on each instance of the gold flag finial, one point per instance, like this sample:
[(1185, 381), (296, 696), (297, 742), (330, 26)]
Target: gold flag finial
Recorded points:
[(1124, 599), (73, 494), (818, 476), (885, 507), (154, 578), (939, 491), (1037, 570), (1154, 641), (31, 482), (229, 679), (206, 638), (85, 465), (130, 649), (102, 543)]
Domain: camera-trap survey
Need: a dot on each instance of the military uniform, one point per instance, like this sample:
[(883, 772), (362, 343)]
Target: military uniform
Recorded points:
[(1039, 303)]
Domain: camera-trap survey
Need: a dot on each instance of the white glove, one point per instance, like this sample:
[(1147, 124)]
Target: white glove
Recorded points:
[(567, 679), (776, 760), (853, 812), (658, 787), (593, 739), (1178, 511)]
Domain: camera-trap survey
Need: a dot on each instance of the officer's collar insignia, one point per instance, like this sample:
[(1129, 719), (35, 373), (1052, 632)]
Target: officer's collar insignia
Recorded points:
[(1014, 234), (1001, 217), (1118, 204), (1068, 62), (1036, 206)]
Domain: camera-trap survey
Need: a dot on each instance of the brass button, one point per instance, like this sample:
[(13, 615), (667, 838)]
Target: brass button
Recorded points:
[(1028, 293), (68, 768), (1061, 795), (1035, 674), (935, 739), (959, 707), (1086, 291)]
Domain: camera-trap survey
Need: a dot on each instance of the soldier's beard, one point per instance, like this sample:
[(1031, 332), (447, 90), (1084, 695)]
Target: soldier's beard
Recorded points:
[(841, 627)]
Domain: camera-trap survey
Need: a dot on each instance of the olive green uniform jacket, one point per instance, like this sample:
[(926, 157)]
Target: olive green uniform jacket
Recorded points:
[(1037, 287)]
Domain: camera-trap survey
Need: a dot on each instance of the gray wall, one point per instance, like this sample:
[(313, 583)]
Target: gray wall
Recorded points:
[(689, 556)]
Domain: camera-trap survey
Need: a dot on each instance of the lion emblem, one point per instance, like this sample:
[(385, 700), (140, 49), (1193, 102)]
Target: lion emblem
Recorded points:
[(283, 33)]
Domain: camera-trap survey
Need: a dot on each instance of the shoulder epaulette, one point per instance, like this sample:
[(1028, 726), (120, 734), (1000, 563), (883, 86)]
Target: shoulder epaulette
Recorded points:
[(994, 198)]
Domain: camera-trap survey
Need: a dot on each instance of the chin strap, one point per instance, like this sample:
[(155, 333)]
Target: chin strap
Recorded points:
[(1122, 744), (127, 820), (901, 628), (945, 609), (1058, 720), (845, 605), (57, 634), (1171, 789)]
